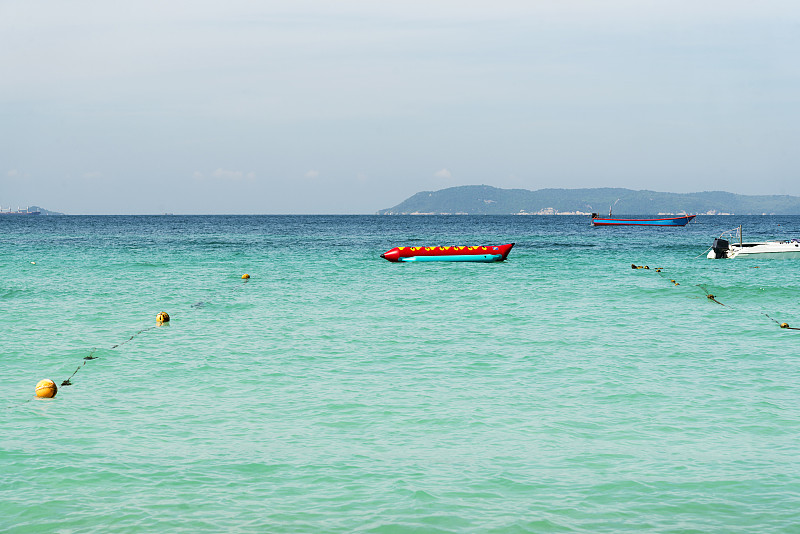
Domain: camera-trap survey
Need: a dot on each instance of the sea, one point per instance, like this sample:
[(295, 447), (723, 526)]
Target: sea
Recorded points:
[(333, 391)]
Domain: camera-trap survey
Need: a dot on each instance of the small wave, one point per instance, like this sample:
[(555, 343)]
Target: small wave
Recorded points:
[(12, 293)]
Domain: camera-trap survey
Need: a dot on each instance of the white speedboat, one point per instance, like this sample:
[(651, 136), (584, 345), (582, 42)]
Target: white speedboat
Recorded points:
[(723, 248)]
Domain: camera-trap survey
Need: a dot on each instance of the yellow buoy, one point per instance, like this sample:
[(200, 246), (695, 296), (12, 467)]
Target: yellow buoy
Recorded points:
[(162, 317), (46, 389), (245, 276), (784, 325)]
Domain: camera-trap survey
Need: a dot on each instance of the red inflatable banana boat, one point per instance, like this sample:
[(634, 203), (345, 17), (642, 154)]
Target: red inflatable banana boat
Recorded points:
[(487, 253)]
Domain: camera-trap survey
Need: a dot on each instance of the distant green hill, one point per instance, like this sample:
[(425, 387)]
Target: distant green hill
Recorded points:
[(487, 200)]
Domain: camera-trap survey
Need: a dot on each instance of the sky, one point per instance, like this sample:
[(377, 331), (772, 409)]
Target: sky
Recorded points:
[(206, 107)]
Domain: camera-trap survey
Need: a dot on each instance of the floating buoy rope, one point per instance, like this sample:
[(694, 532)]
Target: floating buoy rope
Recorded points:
[(710, 296), (785, 326), (91, 355), (48, 389), (245, 279)]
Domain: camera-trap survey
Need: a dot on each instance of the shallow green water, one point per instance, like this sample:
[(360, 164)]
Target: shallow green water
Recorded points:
[(560, 391)]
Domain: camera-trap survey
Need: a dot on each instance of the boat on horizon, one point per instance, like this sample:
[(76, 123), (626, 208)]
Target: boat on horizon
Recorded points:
[(723, 248), (19, 211), (681, 220), (483, 254)]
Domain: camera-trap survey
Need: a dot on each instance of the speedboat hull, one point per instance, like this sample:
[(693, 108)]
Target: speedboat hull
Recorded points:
[(722, 248), (762, 250), (669, 221), (482, 254)]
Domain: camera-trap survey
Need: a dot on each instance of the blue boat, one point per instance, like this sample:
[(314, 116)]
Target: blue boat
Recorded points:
[(669, 221)]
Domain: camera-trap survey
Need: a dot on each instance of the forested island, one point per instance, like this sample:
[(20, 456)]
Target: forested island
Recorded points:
[(488, 200)]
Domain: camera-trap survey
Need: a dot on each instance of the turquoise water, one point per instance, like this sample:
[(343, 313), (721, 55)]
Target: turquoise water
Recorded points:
[(560, 391)]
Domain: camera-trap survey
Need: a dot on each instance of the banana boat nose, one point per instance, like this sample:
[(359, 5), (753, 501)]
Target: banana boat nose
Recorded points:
[(392, 255)]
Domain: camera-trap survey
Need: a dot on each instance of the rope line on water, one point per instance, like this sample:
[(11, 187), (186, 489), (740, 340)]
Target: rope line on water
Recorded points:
[(91, 355), (161, 319), (782, 325), (202, 303), (710, 296), (704, 252), (48, 389)]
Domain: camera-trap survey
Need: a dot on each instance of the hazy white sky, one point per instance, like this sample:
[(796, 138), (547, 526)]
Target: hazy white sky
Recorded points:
[(351, 106)]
